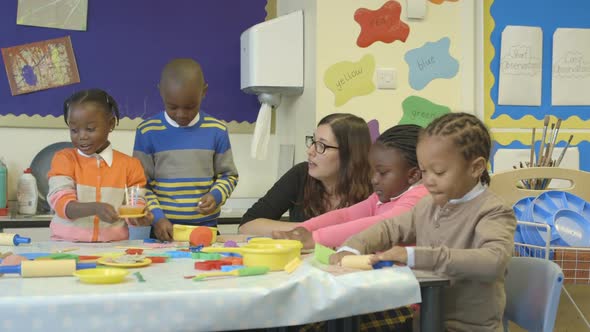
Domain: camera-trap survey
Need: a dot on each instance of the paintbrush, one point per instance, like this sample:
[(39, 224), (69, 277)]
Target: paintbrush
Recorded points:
[(542, 147), (524, 182), (532, 159), (558, 162), (554, 141), (548, 146)]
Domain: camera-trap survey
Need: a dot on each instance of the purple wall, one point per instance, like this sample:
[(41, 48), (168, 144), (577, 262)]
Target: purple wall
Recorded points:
[(128, 42)]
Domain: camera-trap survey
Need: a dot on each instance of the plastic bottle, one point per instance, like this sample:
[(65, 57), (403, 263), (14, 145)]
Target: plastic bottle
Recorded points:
[(26, 193), (3, 184)]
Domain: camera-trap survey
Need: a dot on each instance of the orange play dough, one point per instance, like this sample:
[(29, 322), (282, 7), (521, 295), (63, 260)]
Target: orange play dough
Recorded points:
[(201, 236)]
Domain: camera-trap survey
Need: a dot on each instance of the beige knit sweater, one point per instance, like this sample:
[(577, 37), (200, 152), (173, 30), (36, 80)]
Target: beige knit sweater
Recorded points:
[(468, 242)]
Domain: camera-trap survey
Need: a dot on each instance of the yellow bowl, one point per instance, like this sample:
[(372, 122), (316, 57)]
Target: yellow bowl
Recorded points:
[(276, 243), (183, 232), (101, 276), (273, 256)]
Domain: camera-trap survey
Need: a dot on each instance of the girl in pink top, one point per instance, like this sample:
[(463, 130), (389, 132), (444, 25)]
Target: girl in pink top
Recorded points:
[(396, 189)]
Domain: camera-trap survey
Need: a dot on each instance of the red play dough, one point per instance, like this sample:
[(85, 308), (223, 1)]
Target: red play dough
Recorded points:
[(201, 236)]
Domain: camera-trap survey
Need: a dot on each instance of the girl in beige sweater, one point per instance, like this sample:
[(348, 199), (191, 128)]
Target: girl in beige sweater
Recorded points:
[(462, 230)]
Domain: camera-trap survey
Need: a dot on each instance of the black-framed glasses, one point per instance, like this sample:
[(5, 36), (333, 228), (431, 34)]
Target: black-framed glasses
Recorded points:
[(319, 146)]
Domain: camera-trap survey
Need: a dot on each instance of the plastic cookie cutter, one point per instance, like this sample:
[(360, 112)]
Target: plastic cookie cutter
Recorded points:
[(158, 259), (233, 260), (230, 254), (228, 268), (230, 244), (195, 248), (293, 265), (134, 251), (210, 265), (139, 276), (206, 256), (178, 254)]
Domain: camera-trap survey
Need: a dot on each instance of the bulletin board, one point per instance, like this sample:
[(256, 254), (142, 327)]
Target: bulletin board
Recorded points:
[(123, 50), (500, 13)]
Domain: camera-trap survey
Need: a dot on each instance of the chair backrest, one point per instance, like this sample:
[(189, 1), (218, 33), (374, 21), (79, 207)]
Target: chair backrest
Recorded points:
[(505, 183), (533, 288)]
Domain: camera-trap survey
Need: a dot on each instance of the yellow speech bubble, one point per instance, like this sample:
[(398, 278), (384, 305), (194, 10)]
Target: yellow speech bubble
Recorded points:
[(350, 79)]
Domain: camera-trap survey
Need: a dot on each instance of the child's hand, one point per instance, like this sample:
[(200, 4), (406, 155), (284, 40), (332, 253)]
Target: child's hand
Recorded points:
[(396, 254), (207, 204), (163, 230), (106, 212), (143, 221), (300, 234), (337, 257)]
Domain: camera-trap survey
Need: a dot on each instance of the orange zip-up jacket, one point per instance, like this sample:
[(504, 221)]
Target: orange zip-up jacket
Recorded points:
[(78, 177)]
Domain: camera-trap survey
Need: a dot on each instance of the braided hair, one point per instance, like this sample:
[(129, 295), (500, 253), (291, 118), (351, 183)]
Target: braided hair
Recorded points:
[(404, 138), (468, 134), (97, 96)]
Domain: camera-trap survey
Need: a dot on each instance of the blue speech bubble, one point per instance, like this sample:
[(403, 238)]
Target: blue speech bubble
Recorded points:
[(430, 62)]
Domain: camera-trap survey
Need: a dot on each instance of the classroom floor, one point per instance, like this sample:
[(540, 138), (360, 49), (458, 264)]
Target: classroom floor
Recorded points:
[(568, 319)]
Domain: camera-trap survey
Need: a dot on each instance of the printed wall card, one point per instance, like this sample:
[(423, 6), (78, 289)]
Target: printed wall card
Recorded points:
[(521, 60), (60, 14), (570, 81)]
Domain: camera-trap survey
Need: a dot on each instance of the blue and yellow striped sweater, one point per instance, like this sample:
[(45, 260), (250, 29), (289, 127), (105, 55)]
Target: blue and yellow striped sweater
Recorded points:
[(184, 163)]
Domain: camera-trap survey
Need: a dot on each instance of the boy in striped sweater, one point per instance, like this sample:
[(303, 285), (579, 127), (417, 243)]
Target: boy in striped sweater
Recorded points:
[(186, 154)]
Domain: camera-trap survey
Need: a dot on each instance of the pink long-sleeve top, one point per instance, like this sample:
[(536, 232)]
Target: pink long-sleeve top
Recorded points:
[(333, 228)]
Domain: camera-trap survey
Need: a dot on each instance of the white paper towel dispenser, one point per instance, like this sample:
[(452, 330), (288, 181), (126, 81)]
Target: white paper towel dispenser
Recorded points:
[(271, 65)]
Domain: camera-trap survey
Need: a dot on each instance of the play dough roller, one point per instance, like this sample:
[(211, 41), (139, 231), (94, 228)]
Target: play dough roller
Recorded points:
[(12, 239), (46, 268), (360, 262), (363, 262)]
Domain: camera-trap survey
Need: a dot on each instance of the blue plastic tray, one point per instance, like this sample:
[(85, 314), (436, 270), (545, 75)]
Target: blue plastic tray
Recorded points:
[(545, 207), (542, 216), (522, 209), (522, 251), (573, 227), (526, 234)]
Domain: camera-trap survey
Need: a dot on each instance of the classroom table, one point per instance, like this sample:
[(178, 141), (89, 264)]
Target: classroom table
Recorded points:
[(167, 301)]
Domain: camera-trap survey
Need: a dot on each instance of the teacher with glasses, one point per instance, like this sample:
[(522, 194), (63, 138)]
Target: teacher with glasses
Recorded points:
[(335, 175)]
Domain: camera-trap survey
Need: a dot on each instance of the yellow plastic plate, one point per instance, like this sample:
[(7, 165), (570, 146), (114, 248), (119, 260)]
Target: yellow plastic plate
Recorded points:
[(101, 276), (106, 261)]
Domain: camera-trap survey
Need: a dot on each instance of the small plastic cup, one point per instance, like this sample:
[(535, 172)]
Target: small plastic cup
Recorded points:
[(139, 232), (134, 204)]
